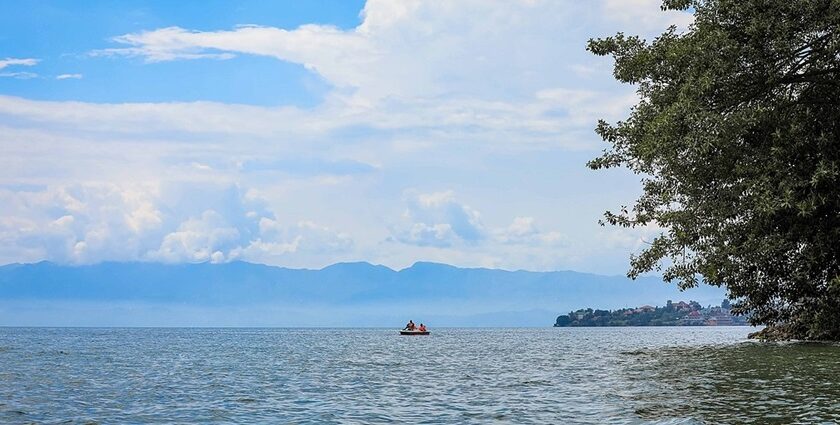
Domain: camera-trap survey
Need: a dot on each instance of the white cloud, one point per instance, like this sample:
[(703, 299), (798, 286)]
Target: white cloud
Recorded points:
[(645, 15), (197, 222), (171, 223), (427, 231), (399, 50), (19, 75), (164, 44), (423, 94), (18, 61), (505, 73), (416, 48), (69, 77), (630, 239), (142, 118), (437, 219), (76, 223), (204, 238), (524, 231), (304, 238)]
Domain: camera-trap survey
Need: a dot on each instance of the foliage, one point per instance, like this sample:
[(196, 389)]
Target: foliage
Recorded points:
[(736, 137), (670, 315)]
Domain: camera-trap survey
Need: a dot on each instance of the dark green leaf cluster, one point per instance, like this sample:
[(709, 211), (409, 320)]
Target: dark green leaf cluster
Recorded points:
[(737, 137)]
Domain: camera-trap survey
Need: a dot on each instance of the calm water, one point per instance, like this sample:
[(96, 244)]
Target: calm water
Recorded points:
[(612, 375)]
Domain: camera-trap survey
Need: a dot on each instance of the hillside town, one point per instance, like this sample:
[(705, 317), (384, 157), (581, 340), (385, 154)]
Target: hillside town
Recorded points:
[(672, 314)]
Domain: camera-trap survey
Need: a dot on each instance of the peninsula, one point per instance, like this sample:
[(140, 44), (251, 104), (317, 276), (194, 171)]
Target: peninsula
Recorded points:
[(672, 314)]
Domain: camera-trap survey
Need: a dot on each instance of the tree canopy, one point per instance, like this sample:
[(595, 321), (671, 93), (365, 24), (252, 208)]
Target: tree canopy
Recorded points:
[(735, 136)]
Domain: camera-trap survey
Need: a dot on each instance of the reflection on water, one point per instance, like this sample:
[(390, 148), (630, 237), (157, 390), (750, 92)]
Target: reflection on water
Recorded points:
[(565, 375), (743, 383)]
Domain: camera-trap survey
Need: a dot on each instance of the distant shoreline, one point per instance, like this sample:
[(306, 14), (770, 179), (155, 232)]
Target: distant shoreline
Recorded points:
[(672, 314)]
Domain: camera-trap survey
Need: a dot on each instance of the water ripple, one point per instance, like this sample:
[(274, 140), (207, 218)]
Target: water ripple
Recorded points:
[(615, 376)]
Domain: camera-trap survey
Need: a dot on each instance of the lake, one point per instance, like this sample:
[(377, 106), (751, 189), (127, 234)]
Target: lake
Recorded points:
[(564, 375)]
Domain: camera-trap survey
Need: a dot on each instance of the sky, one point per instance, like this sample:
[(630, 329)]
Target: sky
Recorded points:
[(305, 133)]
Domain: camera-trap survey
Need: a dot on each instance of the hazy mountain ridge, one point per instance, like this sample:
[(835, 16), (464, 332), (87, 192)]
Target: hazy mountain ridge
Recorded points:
[(353, 289)]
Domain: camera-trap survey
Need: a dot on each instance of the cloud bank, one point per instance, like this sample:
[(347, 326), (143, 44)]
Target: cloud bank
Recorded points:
[(438, 139), (89, 223)]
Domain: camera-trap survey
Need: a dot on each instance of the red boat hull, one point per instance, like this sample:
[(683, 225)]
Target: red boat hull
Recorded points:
[(413, 333)]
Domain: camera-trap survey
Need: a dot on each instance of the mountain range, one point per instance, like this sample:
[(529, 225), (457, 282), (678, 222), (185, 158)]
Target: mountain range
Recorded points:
[(343, 294)]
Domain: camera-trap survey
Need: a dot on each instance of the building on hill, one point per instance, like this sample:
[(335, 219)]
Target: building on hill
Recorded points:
[(673, 314), (694, 318), (682, 306), (719, 317)]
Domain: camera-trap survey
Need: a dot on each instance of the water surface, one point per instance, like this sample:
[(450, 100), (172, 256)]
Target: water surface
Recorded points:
[(564, 375)]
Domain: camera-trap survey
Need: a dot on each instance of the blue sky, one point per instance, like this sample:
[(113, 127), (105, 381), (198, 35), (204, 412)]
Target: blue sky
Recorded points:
[(307, 133), (61, 35)]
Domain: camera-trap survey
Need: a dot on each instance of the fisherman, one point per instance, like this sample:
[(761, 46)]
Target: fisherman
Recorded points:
[(422, 328), (410, 326)]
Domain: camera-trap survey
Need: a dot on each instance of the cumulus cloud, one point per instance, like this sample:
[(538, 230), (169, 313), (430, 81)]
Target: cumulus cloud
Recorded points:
[(420, 90), (437, 219), (436, 226), (277, 240), (76, 223), (87, 223), (207, 237), (415, 48), (504, 73), (524, 231)]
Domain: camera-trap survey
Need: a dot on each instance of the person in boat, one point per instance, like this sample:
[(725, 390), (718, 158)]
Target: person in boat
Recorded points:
[(410, 326), (422, 328)]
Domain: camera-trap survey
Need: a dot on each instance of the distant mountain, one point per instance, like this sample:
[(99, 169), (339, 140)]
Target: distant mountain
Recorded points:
[(343, 294)]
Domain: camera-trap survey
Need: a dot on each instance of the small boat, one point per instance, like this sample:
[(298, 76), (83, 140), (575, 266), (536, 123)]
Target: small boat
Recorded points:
[(415, 332)]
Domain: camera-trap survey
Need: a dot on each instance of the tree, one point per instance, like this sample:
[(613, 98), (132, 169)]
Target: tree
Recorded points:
[(737, 138), (562, 321)]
